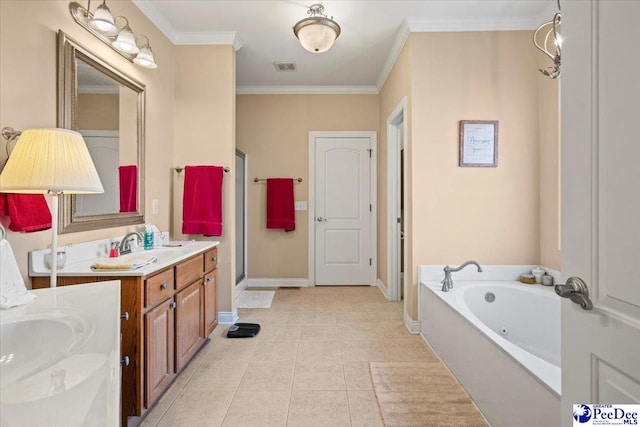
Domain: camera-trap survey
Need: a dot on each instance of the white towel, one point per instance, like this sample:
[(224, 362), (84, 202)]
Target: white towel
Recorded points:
[(12, 289), (128, 263)]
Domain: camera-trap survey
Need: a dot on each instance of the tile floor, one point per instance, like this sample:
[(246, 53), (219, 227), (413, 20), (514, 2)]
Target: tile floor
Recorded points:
[(309, 365)]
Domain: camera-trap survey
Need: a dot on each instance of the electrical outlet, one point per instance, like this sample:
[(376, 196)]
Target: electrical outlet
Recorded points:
[(156, 206), (301, 206)]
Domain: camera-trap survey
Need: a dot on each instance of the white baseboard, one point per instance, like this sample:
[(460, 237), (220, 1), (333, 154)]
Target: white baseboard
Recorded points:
[(383, 289), (412, 325), (227, 317), (276, 283)]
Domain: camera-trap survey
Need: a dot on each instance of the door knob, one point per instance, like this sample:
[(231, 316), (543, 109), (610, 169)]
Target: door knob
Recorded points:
[(577, 291), (320, 219)]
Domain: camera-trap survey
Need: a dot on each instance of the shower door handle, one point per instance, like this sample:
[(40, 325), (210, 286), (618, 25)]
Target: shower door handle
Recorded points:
[(577, 291)]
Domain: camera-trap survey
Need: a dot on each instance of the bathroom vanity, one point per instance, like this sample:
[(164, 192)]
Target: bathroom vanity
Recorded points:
[(169, 309)]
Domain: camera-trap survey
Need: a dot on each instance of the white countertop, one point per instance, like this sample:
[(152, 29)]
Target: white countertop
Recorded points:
[(60, 358), (80, 258)]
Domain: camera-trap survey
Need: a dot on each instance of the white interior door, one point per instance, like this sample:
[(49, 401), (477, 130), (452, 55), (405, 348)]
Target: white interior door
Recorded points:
[(104, 149), (343, 211), (601, 203)]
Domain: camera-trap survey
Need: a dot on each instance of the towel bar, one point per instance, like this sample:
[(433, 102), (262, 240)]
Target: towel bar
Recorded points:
[(265, 179), (179, 169)]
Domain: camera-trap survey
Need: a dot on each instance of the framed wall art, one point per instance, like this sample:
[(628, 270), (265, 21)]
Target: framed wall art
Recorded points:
[(478, 143)]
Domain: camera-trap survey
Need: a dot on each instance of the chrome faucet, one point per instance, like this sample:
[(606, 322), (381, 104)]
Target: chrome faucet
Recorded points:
[(125, 246), (447, 283)]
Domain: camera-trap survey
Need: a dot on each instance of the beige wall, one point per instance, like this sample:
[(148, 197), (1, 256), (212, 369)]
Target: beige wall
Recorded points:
[(204, 133), (98, 111), (28, 96), (549, 137), (396, 87), (487, 214), (273, 130)]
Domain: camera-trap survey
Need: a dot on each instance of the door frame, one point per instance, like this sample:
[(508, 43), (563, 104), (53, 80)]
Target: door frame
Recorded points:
[(373, 192), (244, 282), (394, 128)]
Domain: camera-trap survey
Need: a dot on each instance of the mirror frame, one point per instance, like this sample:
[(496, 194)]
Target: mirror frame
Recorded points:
[(68, 51)]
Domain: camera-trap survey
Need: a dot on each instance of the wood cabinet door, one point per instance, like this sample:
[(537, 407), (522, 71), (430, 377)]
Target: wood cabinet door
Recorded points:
[(189, 329), (210, 306), (159, 347)]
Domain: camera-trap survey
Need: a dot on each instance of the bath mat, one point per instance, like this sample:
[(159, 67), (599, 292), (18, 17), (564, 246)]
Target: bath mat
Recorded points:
[(422, 394), (255, 299)]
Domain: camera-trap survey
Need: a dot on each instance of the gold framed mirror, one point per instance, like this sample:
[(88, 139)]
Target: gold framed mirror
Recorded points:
[(107, 107)]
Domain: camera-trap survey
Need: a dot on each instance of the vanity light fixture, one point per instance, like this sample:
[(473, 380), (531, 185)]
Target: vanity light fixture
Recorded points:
[(317, 33), (103, 21), (144, 58), (548, 40), (115, 34), (50, 161)]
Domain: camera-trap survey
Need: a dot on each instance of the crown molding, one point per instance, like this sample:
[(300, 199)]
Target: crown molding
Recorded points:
[(306, 90), (157, 18), (209, 38), (396, 48)]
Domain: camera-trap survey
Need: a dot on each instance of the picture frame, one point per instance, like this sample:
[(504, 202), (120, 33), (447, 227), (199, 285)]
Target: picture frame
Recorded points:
[(478, 143)]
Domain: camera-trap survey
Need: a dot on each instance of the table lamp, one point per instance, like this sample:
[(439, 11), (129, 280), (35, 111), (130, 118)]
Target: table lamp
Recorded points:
[(50, 161)]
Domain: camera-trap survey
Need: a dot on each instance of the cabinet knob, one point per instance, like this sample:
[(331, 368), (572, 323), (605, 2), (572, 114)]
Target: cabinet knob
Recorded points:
[(214, 259), (163, 286), (125, 316), (126, 361), (174, 305)]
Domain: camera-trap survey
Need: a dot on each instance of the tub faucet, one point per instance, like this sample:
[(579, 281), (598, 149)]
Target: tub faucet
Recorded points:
[(125, 246), (447, 283)]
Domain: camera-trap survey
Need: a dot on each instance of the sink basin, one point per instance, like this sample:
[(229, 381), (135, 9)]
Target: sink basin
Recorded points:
[(163, 254), (35, 342)]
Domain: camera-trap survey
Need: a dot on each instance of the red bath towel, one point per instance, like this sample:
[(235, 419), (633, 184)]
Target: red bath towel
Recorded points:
[(27, 212), (128, 188), (202, 200), (280, 204)]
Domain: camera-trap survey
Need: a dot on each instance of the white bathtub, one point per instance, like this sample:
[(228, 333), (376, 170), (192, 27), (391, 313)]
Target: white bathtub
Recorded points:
[(505, 353)]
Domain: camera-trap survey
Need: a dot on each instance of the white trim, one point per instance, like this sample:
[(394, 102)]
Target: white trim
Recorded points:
[(209, 38), (157, 18), (241, 286), (373, 191), (382, 288), (413, 326), (309, 90), (396, 48), (276, 283), (227, 317)]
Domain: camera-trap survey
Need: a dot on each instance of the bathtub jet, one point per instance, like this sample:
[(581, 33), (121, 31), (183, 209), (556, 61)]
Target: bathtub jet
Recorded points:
[(447, 283)]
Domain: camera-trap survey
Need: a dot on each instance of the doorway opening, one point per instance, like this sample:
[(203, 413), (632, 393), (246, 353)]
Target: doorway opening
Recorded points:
[(241, 220), (396, 179)]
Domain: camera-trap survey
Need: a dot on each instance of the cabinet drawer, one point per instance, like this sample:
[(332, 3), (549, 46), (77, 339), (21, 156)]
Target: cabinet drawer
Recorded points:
[(188, 271), (211, 259), (158, 288)]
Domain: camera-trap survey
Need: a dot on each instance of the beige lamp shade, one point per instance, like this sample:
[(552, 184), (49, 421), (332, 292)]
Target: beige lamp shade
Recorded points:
[(50, 160)]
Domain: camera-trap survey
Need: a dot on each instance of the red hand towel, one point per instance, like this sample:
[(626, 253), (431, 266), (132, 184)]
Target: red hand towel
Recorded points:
[(202, 200), (128, 188), (280, 204), (27, 212)]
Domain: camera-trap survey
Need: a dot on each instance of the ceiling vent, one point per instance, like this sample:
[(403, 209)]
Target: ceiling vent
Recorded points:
[(285, 66)]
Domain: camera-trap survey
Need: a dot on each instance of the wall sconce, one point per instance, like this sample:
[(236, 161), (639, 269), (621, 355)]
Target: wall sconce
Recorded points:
[(121, 38), (550, 44)]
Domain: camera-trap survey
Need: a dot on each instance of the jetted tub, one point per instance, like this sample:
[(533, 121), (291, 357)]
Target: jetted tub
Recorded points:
[(500, 338)]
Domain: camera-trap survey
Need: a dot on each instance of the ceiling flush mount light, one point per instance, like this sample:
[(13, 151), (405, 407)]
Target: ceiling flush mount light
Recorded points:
[(114, 32), (317, 33), (49, 161), (548, 40)]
